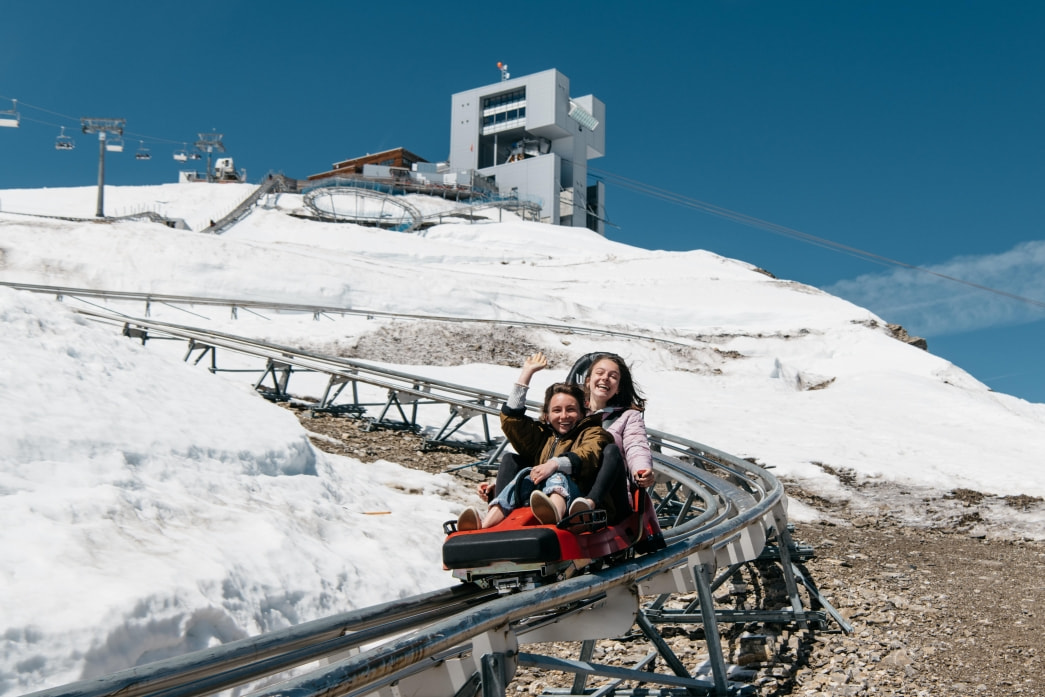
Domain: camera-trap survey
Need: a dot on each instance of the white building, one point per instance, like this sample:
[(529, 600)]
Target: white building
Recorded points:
[(529, 135)]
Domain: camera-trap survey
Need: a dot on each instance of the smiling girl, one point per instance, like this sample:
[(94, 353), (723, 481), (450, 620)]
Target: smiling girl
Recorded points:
[(565, 444), (612, 394)]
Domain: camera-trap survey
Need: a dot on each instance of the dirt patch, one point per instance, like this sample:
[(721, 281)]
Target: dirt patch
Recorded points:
[(936, 609), (452, 343), (356, 438)]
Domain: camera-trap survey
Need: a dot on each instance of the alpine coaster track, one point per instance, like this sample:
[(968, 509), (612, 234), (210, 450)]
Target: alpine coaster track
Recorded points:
[(719, 513)]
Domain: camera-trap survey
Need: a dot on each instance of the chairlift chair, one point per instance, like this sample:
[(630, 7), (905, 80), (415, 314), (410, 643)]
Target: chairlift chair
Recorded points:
[(181, 155), (143, 152), (10, 118), (64, 142), (195, 156), (114, 144)]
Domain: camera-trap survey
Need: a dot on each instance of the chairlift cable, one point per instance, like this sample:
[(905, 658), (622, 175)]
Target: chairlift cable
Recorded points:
[(76, 120), (40, 108), (751, 221), (43, 123)]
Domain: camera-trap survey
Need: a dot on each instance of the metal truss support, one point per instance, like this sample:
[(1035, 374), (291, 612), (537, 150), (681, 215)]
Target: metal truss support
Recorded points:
[(203, 349), (784, 553), (694, 686), (459, 416), (136, 333), (662, 646), (493, 675), (280, 373), (397, 398), (337, 384), (587, 651), (784, 547), (702, 574), (814, 592)]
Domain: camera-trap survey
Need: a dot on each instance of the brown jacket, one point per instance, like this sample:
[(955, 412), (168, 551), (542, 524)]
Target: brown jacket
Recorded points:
[(536, 443)]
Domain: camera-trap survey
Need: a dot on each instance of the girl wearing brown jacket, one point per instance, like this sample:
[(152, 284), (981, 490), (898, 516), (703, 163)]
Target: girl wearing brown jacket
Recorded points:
[(564, 444)]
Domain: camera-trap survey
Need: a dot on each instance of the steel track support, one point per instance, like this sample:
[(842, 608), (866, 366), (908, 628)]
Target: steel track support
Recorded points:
[(702, 574), (462, 415), (662, 646), (204, 349), (397, 398), (815, 593), (587, 651), (493, 679), (335, 380), (280, 373), (784, 549), (694, 686), (496, 653)]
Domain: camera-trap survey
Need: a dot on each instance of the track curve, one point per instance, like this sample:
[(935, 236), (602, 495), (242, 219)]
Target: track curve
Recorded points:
[(718, 512)]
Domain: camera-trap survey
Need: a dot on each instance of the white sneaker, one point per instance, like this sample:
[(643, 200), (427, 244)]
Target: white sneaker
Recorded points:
[(543, 508), (468, 520), (581, 504)]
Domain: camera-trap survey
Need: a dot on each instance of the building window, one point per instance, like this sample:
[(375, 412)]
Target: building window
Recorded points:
[(504, 99)]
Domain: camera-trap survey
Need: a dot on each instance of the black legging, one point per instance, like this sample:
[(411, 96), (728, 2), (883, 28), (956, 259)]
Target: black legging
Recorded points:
[(610, 482)]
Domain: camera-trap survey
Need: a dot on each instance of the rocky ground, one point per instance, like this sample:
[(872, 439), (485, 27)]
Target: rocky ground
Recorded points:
[(945, 607)]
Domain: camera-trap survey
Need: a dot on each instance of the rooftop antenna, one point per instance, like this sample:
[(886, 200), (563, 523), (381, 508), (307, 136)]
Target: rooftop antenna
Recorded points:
[(503, 67)]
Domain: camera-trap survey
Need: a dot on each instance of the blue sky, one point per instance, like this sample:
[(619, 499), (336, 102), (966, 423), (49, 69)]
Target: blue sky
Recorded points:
[(911, 130)]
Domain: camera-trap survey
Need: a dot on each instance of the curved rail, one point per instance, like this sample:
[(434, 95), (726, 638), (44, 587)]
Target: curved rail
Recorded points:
[(718, 513), (409, 218)]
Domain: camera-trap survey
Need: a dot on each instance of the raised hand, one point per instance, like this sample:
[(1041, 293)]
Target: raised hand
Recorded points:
[(536, 362), (532, 364)]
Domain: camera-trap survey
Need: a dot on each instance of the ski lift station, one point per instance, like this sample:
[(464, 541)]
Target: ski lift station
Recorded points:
[(529, 135), (523, 138)]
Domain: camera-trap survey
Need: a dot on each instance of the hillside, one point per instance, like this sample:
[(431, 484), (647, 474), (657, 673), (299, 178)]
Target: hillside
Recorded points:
[(151, 508)]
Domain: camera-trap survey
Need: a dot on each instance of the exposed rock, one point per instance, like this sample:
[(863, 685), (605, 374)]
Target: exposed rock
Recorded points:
[(900, 333)]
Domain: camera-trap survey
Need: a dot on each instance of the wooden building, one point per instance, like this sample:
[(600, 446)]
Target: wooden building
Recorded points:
[(397, 157)]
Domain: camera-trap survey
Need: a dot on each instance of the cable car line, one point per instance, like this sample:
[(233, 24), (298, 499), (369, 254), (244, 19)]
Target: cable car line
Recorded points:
[(783, 230), (111, 146)]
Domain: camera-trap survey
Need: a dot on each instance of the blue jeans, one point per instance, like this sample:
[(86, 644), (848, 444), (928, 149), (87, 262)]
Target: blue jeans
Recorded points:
[(517, 493)]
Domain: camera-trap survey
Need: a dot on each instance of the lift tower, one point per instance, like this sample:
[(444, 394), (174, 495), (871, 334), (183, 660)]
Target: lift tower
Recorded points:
[(209, 142), (102, 127)]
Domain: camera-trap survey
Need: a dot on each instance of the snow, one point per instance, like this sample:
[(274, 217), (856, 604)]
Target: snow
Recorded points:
[(151, 508)]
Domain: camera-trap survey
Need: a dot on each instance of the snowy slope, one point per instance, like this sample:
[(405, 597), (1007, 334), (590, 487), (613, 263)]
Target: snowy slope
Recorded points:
[(150, 508)]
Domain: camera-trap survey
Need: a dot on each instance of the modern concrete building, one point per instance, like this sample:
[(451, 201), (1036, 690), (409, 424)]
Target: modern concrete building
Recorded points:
[(529, 135)]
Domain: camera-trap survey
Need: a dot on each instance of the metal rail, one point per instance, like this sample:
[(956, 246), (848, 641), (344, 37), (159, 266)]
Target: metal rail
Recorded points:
[(318, 311), (274, 182), (718, 512)]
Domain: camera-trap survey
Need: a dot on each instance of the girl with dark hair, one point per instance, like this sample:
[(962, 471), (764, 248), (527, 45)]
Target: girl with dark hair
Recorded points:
[(611, 393), (561, 452)]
